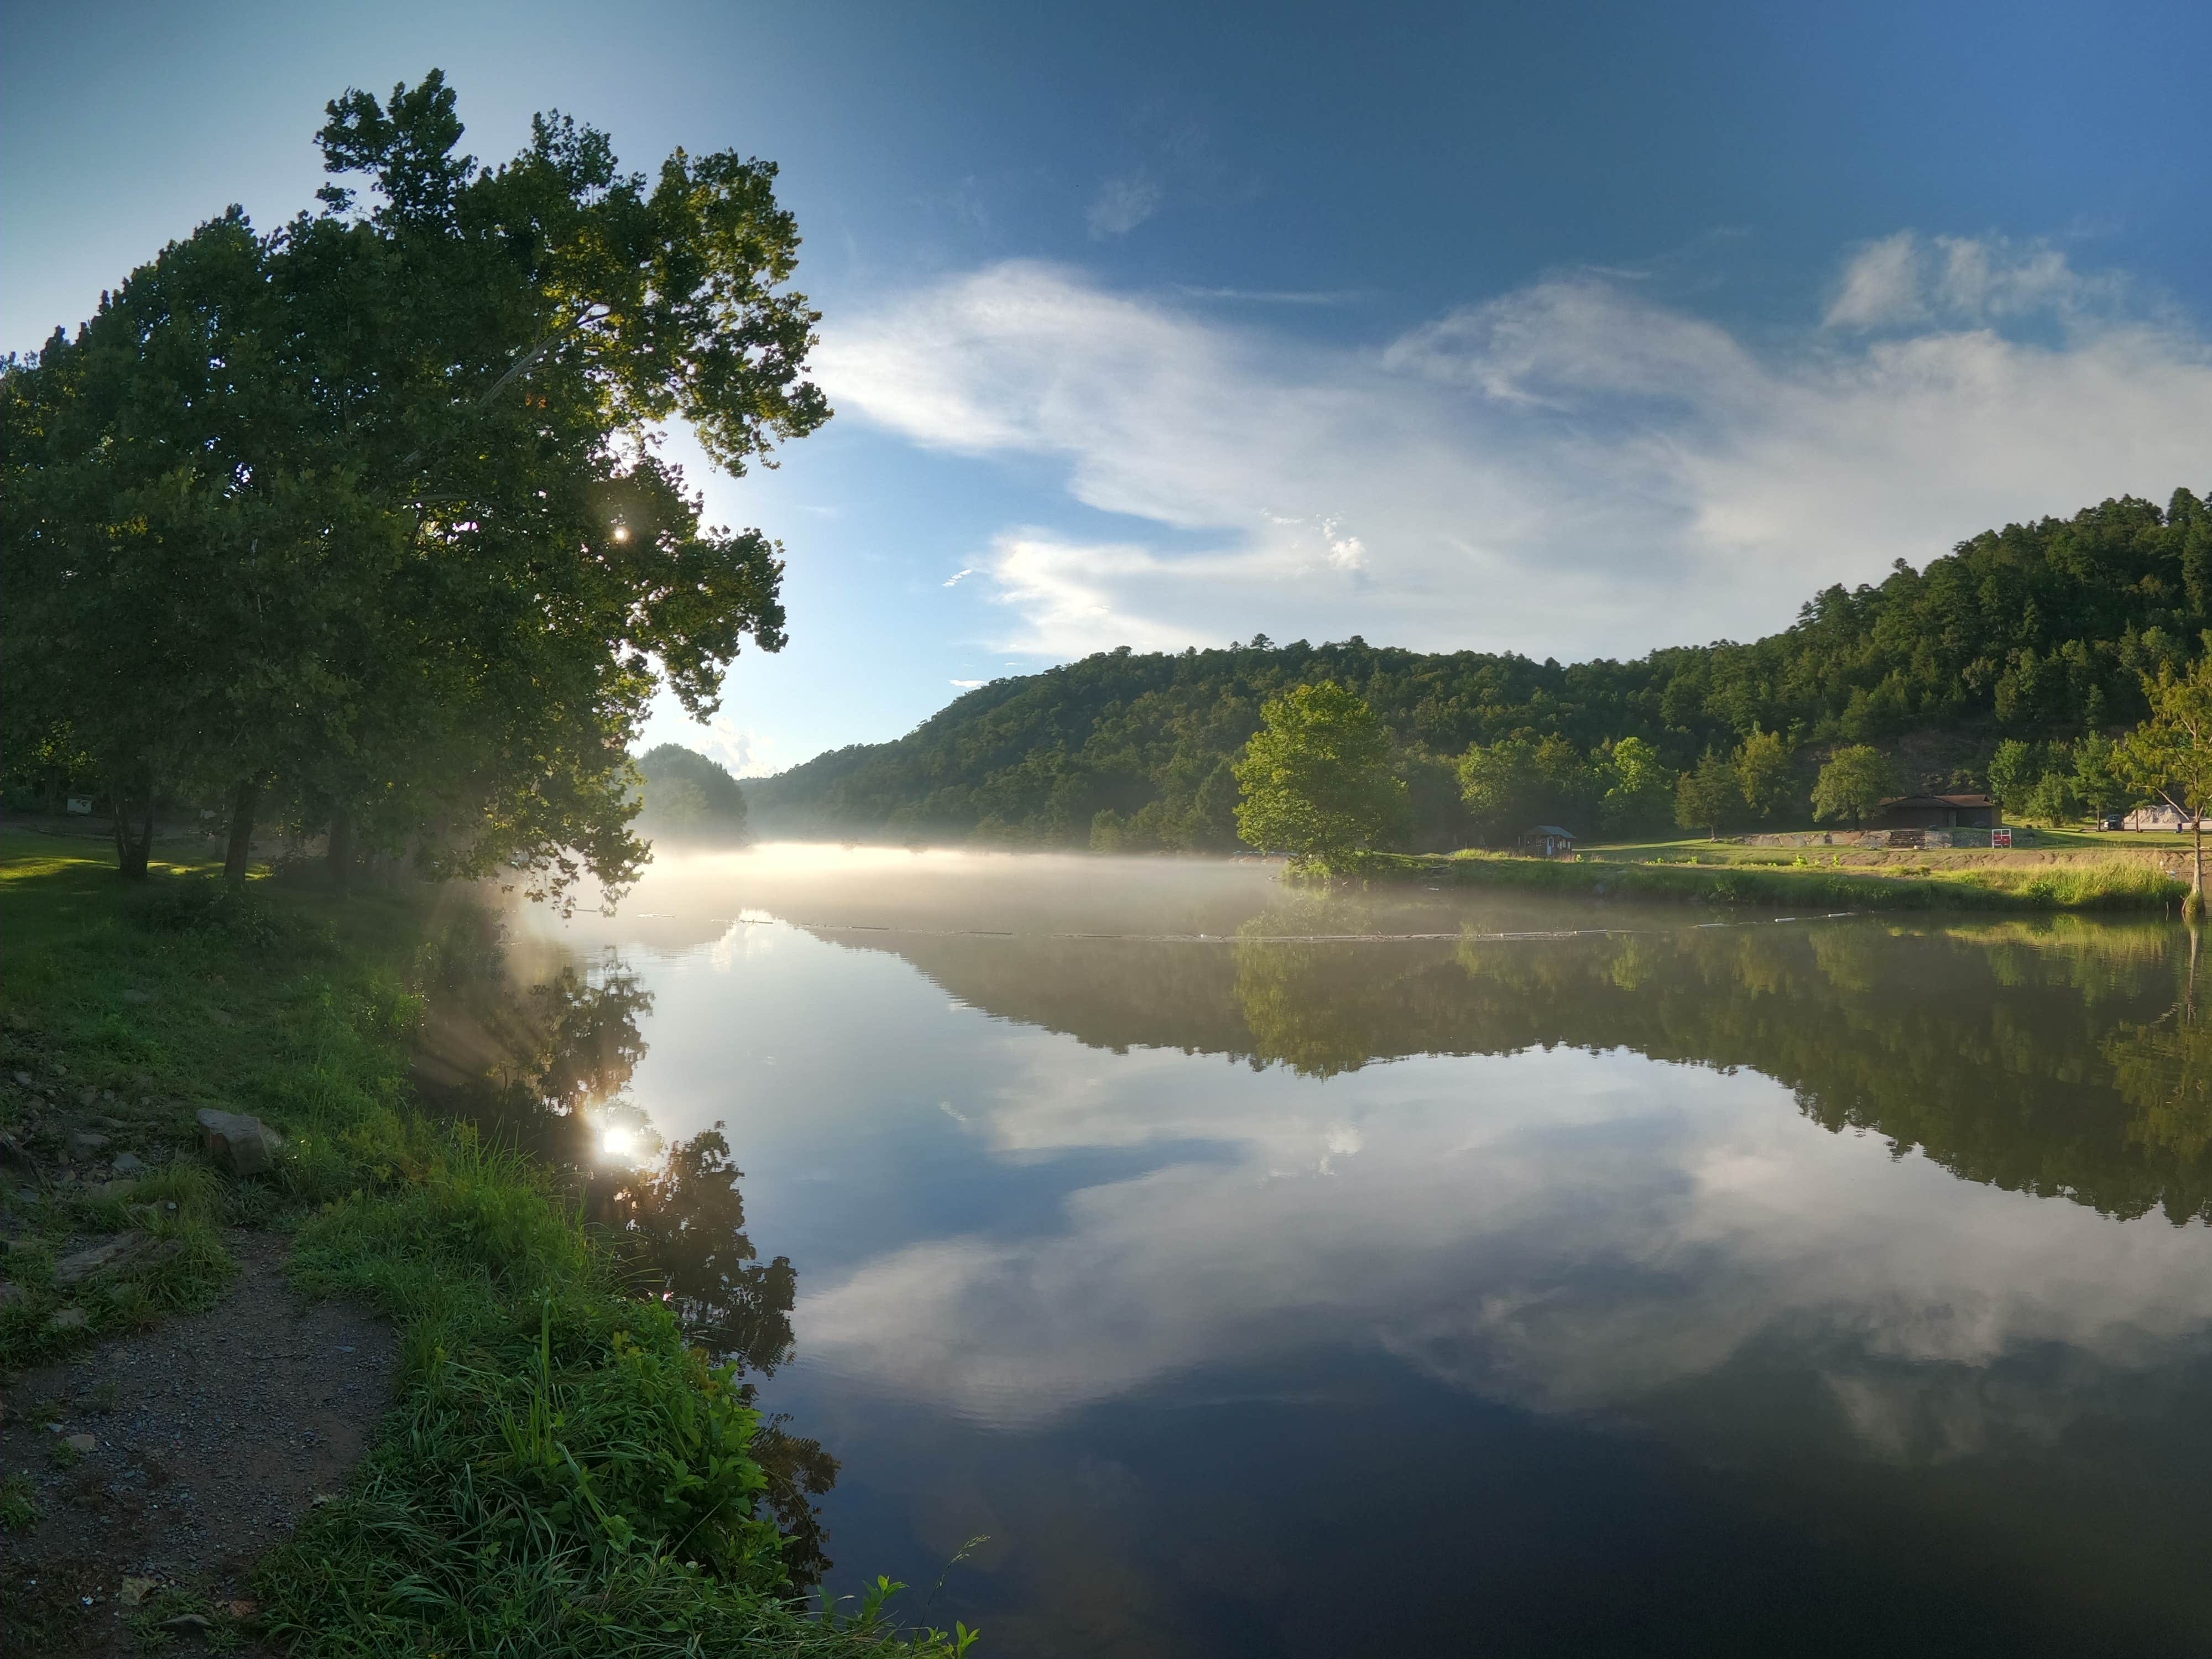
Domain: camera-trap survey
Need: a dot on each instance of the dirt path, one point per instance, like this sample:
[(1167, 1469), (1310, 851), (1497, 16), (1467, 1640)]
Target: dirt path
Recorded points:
[(209, 1436)]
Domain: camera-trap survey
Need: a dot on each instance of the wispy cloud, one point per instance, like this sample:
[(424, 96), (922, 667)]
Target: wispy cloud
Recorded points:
[(1573, 467), (1272, 296), (959, 574), (1967, 281), (1121, 205), (966, 685)]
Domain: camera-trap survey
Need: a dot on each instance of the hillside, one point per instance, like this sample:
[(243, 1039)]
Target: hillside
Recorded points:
[(2035, 631)]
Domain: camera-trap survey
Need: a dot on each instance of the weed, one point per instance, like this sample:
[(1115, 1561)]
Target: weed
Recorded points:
[(18, 1506)]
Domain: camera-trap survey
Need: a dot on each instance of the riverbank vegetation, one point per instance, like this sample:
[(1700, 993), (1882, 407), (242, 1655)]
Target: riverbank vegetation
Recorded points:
[(1803, 882), (562, 1470)]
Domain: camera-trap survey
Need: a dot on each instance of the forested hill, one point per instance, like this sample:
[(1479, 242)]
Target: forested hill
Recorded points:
[(2038, 631)]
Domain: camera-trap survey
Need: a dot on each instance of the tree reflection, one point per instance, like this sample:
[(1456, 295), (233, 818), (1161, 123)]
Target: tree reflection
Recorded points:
[(2164, 1070), (544, 1068), (2031, 1053)]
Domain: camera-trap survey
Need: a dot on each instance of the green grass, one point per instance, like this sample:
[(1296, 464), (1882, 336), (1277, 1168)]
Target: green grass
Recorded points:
[(562, 1474), (2096, 884)]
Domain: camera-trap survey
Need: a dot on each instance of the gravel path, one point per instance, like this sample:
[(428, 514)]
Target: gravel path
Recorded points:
[(209, 1436)]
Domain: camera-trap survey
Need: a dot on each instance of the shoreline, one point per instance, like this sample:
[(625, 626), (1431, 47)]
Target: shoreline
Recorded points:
[(2099, 885)]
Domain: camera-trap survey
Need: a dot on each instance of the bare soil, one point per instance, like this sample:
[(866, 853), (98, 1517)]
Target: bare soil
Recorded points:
[(211, 1434)]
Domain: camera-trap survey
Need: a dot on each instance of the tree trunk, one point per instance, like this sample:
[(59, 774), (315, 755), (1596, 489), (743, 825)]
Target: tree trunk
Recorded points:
[(2193, 906), (133, 843), (338, 849), (240, 853)]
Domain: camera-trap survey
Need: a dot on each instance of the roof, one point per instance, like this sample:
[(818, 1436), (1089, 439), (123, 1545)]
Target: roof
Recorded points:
[(1550, 829), (1947, 800)]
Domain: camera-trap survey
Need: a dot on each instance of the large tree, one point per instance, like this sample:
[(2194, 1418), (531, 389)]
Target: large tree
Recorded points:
[(2169, 756), (1855, 780), (1317, 777), (416, 441)]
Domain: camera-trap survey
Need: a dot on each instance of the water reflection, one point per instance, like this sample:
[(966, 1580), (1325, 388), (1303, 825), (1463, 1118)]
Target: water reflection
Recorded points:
[(538, 1053), (1825, 1285)]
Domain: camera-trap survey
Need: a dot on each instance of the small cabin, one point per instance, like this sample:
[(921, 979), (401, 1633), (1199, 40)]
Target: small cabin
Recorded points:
[(1547, 840), (1936, 812)]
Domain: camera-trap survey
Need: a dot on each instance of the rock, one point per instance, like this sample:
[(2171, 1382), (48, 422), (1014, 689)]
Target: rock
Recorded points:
[(129, 1163), (11, 1293), (188, 1621), (245, 1608), (80, 1264), (221, 1017), (85, 1142), (81, 1443), (68, 1319), (241, 1144), (138, 997), (136, 1590)]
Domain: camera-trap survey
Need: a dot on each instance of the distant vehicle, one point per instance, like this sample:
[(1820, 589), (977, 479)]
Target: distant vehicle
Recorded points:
[(2115, 822)]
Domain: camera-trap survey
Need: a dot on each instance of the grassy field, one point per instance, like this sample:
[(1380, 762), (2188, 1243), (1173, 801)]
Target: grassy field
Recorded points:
[(562, 1474), (2047, 847), (1813, 878)]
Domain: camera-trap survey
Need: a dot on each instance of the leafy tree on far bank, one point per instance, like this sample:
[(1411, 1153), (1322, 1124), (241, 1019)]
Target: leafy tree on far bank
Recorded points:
[(1854, 782), (1762, 771), (2015, 770), (1639, 789), (2169, 755), (1317, 777), (1706, 793)]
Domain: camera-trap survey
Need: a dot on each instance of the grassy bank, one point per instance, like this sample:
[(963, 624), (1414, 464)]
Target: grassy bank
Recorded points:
[(561, 1474), (2113, 883)]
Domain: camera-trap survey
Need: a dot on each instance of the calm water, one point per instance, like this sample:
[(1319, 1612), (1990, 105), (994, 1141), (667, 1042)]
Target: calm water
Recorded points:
[(1561, 1279)]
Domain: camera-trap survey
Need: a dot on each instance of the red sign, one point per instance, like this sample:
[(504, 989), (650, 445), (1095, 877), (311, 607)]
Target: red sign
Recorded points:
[(2000, 837)]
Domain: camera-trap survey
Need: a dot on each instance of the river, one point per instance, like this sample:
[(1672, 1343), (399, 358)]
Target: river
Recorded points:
[(1262, 1272)]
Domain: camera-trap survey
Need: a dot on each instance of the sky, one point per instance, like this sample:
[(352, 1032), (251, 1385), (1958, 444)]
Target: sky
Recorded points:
[(1568, 329)]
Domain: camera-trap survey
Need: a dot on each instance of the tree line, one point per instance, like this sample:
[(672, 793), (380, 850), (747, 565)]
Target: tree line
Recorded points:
[(360, 525), (2042, 633)]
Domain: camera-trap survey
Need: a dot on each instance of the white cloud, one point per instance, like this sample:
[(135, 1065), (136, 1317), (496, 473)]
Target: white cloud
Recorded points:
[(746, 753), (1569, 1232), (966, 685), (1120, 206), (1966, 280), (1568, 469), (958, 575)]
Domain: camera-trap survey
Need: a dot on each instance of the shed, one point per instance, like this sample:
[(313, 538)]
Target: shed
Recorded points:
[(1936, 812), (1547, 840)]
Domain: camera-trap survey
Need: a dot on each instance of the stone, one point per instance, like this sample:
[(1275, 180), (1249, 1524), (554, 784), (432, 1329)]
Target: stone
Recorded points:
[(81, 1443), (241, 1144), (136, 1590), (85, 1142), (193, 1621), (138, 996), (129, 1163), (80, 1264), (68, 1319), (11, 1293)]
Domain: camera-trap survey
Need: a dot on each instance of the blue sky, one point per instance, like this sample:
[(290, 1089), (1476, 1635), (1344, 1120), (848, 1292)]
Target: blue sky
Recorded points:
[(1563, 329)]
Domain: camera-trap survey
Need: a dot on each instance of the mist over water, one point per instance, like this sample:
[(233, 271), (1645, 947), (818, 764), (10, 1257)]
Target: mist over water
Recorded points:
[(1269, 1271)]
